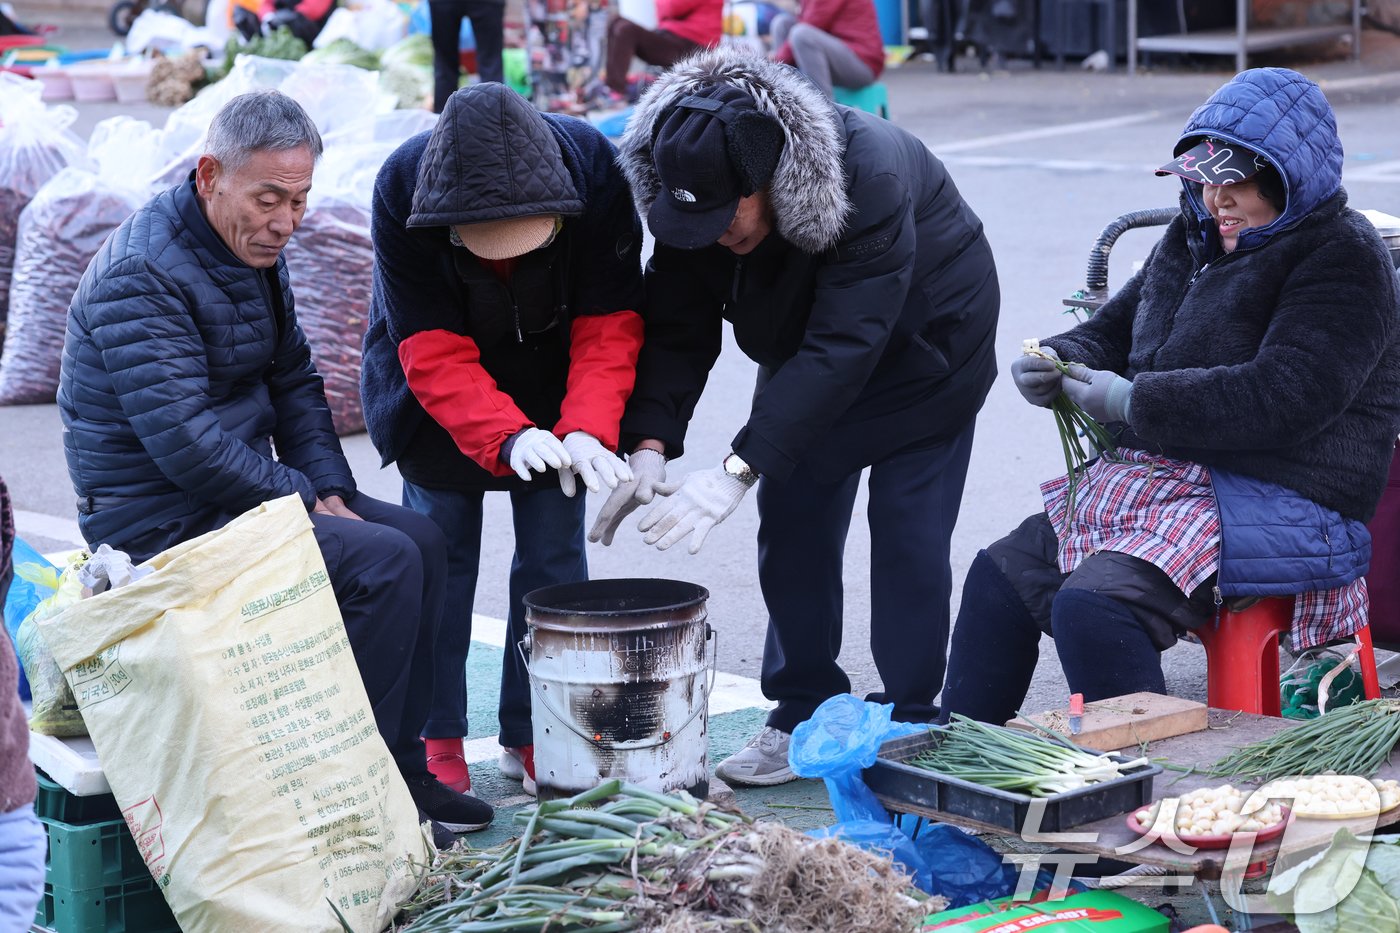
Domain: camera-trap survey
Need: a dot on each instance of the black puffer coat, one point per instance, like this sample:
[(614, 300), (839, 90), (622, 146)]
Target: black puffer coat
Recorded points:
[(871, 309), (182, 366)]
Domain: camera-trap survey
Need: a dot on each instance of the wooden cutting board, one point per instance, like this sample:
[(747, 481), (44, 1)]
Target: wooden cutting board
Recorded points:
[(1120, 722)]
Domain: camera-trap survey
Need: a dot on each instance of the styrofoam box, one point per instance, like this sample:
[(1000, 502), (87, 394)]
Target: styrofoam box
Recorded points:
[(129, 80), (71, 763), (57, 83), (92, 81)]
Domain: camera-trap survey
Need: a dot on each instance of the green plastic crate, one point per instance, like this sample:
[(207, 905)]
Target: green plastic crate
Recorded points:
[(130, 907), (84, 857), (55, 803)]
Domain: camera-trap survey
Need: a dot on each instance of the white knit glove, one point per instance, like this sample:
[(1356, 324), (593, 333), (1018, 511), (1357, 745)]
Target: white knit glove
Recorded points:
[(699, 502), (595, 464), (648, 471), (538, 451)]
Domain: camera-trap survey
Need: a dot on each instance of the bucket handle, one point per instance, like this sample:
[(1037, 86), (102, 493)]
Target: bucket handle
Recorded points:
[(710, 635)]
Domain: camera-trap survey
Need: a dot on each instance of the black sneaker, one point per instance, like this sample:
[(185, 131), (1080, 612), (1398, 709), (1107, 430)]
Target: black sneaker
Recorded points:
[(443, 837), (457, 812)]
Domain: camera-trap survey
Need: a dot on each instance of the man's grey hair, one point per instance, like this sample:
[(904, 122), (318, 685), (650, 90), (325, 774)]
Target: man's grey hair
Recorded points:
[(259, 121)]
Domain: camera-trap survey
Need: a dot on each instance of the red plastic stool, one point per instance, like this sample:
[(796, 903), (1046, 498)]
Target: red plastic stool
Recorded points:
[(1242, 658)]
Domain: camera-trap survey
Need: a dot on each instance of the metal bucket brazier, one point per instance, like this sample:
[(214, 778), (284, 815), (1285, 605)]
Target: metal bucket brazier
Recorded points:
[(620, 684)]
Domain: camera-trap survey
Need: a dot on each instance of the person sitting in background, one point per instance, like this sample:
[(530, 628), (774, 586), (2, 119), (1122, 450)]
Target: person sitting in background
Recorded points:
[(23, 843), (835, 43), (1251, 373), (488, 29), (305, 18), (683, 27), (184, 365)]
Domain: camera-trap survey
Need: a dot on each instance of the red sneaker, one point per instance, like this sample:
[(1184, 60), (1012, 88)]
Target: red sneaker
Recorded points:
[(519, 764), (447, 764)]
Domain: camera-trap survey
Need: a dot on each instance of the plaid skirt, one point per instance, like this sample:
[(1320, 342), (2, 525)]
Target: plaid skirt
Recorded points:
[(1163, 511)]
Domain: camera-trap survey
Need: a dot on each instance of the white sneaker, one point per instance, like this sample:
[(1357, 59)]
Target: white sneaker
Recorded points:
[(762, 762), (518, 764)]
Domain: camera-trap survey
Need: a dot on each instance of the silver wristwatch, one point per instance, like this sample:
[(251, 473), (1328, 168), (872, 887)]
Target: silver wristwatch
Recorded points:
[(735, 466)]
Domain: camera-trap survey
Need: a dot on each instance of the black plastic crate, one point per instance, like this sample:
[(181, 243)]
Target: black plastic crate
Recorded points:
[(55, 803), (904, 788)]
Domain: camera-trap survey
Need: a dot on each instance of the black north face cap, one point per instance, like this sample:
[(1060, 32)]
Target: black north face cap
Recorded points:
[(700, 187), (1216, 162)]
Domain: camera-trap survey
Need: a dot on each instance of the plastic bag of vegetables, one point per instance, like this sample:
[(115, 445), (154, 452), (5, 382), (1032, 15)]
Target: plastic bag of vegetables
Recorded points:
[(35, 143), (55, 711), (331, 259), (59, 232), (343, 52), (407, 71)]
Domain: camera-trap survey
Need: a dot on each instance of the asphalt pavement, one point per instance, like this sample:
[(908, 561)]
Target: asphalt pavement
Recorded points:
[(1046, 158)]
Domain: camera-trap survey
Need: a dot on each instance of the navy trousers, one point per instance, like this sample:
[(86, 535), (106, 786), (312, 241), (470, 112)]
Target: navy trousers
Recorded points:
[(914, 500), (548, 550), (1111, 620), (389, 575), (445, 23)]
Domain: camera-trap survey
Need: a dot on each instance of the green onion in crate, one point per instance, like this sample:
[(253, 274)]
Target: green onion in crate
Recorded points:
[(1014, 761)]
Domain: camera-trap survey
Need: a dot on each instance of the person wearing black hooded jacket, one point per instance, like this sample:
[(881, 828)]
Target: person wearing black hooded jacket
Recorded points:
[(1250, 376), (860, 281), (501, 348)]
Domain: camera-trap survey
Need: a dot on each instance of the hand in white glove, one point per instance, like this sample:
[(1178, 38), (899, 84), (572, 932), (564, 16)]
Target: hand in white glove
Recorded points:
[(595, 464), (648, 471), (538, 451), (699, 502)]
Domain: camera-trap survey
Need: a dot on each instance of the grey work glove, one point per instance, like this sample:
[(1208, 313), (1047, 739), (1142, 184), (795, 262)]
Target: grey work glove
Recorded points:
[(1037, 379), (699, 502), (1106, 397), (648, 471), (595, 464), (538, 451)]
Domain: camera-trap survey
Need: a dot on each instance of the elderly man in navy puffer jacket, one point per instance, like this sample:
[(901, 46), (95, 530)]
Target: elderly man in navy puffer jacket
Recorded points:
[(189, 396)]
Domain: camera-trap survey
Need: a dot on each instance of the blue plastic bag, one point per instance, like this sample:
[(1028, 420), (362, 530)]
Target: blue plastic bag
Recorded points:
[(24, 595), (844, 736)]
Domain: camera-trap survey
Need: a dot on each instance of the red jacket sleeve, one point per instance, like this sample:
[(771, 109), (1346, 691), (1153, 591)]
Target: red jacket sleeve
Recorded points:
[(445, 374), (603, 350)]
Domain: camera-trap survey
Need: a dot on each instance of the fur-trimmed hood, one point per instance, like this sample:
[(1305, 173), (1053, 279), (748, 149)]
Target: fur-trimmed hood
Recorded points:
[(808, 190)]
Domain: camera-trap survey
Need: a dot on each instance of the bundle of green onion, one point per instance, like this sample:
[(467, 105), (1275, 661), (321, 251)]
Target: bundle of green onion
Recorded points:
[(1354, 739), (1073, 423), (1009, 760), (621, 858)]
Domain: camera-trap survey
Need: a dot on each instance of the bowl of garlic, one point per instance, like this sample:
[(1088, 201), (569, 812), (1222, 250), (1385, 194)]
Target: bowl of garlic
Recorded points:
[(1210, 817), (1332, 796)]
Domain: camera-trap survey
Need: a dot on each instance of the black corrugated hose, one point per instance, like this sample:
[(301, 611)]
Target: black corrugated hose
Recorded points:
[(1096, 278)]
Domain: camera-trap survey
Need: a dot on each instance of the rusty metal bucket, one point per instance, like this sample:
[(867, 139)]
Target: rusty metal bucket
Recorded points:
[(620, 682)]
